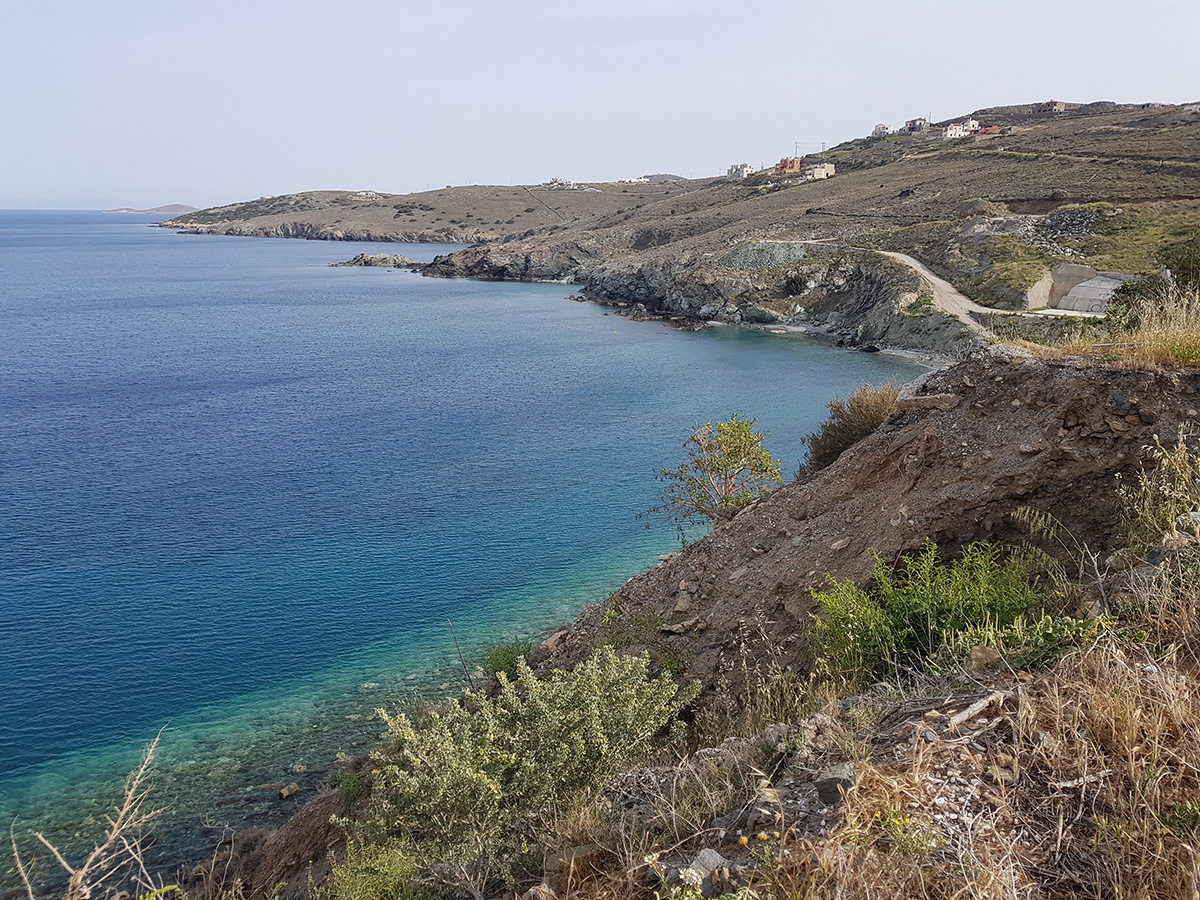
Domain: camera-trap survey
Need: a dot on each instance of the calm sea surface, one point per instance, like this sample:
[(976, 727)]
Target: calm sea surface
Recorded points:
[(241, 493)]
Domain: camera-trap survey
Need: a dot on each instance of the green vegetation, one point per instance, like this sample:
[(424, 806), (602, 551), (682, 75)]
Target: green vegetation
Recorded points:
[(850, 420), (383, 871), (474, 789), (1133, 238), (912, 618), (727, 468), (504, 658)]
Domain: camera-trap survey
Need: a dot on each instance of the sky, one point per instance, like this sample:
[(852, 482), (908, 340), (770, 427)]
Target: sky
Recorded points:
[(146, 102)]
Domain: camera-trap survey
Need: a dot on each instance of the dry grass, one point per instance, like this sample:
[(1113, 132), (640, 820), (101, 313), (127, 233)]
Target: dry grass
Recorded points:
[(1167, 336), (763, 691), (1081, 782), (850, 420), (118, 858), (1160, 500), (1169, 333)]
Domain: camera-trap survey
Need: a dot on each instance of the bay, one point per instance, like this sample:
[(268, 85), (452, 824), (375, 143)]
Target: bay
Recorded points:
[(242, 492)]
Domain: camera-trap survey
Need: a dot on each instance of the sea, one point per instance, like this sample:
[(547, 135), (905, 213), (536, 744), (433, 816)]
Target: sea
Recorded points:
[(247, 499)]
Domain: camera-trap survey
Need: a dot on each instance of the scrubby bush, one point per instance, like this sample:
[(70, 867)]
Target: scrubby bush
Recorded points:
[(850, 420), (910, 616), (1161, 498), (473, 784), (504, 657), (372, 872)]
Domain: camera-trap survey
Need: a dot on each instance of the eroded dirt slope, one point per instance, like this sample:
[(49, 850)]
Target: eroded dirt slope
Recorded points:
[(1018, 431)]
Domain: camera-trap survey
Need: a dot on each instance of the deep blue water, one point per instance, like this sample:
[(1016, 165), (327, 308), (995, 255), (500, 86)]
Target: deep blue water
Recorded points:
[(241, 492)]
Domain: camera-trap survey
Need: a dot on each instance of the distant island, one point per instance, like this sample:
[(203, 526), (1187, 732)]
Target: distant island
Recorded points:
[(171, 209)]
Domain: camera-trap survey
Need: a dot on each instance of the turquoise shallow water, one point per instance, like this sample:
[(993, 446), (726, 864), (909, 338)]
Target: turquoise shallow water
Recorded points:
[(241, 493)]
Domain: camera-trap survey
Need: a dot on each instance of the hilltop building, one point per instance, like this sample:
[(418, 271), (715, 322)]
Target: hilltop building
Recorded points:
[(740, 170), (960, 129), (809, 169), (880, 130), (916, 126)]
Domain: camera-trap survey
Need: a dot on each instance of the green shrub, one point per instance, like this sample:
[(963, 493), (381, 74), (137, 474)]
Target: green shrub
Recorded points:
[(352, 784), (849, 421), (472, 785), (727, 468), (1025, 644), (504, 657), (371, 872), (911, 614)]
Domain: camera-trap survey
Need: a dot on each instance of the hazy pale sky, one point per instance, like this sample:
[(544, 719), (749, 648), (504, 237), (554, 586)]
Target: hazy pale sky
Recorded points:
[(147, 102)]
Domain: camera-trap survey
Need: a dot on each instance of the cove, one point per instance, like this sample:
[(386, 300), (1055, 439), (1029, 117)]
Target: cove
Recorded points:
[(242, 493)]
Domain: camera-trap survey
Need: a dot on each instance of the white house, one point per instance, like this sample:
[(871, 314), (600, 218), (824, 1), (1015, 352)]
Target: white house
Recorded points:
[(740, 170), (960, 129), (818, 171), (881, 130)]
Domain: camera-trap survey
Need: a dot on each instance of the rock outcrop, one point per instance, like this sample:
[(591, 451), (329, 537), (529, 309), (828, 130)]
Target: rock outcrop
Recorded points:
[(376, 259)]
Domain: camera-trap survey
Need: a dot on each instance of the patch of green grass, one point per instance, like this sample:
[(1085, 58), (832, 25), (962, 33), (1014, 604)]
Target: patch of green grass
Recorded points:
[(912, 616), (1130, 241), (372, 872)]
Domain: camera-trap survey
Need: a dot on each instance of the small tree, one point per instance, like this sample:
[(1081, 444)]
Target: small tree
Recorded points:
[(727, 468)]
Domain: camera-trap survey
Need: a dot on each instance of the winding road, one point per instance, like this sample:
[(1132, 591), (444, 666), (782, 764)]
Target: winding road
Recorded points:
[(945, 297)]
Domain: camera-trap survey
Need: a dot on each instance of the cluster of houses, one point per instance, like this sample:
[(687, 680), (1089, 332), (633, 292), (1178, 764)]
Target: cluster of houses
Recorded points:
[(802, 168), (921, 127)]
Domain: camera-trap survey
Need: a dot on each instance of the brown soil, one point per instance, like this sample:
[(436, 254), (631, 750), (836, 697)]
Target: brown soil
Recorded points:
[(1053, 435)]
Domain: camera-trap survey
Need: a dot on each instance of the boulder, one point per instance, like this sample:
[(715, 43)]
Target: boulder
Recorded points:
[(835, 781)]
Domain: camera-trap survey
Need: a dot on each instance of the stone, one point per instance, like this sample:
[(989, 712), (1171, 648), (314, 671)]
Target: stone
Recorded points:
[(840, 544), (834, 781), (708, 861), (376, 259), (1002, 775), (289, 790), (983, 658), (1188, 521), (908, 401), (682, 605), (555, 642)]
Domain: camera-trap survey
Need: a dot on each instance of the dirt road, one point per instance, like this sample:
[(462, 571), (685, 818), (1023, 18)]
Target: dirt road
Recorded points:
[(945, 297)]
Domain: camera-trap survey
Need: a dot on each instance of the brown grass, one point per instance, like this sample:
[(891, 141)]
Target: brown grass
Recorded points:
[(850, 420), (1087, 785), (1169, 333)]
